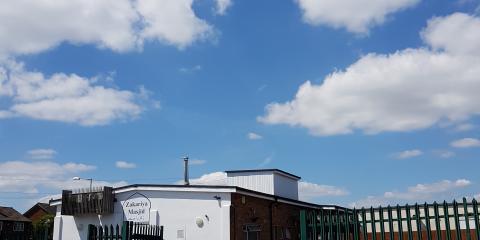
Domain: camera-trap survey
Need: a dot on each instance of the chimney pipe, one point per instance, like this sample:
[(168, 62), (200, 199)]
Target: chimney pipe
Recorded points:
[(185, 173)]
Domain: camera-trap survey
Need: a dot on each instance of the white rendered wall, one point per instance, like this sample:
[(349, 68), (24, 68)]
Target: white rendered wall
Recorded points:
[(258, 181), (175, 210)]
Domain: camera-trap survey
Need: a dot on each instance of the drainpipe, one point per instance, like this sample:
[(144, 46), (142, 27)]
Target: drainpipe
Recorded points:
[(234, 228), (271, 217)]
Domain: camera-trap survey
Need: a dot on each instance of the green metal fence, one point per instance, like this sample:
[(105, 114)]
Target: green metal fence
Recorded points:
[(449, 221), (42, 233), (128, 231)]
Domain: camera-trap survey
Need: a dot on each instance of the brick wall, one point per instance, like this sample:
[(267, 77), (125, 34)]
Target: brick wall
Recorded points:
[(37, 215), (263, 213), (8, 233)]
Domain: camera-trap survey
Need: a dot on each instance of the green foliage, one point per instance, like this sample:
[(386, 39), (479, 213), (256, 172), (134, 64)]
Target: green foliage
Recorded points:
[(45, 221)]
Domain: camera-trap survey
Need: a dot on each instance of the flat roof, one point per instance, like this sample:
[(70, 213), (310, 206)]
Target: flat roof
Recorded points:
[(264, 170), (231, 189)]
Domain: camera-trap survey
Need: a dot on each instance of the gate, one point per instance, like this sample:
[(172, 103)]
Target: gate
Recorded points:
[(128, 231), (449, 221)]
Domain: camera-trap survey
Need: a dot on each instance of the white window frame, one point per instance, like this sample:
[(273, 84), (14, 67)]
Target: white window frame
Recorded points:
[(18, 227), (256, 230)]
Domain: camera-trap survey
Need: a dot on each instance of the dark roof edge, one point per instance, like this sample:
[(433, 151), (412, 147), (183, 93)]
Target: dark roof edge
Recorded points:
[(44, 206), (298, 202), (264, 170), (29, 210)]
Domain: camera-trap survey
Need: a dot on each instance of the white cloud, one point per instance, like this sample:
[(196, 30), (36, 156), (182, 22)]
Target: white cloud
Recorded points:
[(5, 114), (403, 91), (417, 193), (445, 153), (215, 178), (457, 33), (46, 199), (408, 154), (308, 191), (197, 162), (32, 26), (355, 15), (78, 167), (262, 87), (172, 22), (254, 136), (22, 176), (265, 162), (41, 153), (464, 127), (466, 143), (71, 184), (125, 165), (190, 69), (66, 98), (222, 6)]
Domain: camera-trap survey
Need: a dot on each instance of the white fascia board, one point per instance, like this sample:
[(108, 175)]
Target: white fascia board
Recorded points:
[(56, 202), (175, 189)]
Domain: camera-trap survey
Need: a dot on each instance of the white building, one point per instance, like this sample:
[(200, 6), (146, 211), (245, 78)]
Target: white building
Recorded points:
[(255, 204)]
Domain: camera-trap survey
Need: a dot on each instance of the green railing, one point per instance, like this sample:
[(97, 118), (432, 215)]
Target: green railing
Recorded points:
[(42, 233), (128, 231), (449, 221)]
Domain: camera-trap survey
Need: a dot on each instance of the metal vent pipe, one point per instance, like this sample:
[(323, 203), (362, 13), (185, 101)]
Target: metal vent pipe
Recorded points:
[(185, 173)]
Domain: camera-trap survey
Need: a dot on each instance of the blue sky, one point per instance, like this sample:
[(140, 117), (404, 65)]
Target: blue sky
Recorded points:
[(369, 104)]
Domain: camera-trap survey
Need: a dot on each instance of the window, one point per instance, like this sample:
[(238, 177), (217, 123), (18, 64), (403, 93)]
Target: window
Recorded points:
[(18, 227), (1, 226), (282, 233), (181, 234), (288, 235), (252, 236), (252, 231)]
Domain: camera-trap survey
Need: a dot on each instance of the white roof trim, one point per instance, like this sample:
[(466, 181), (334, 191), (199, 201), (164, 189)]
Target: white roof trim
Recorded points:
[(176, 189)]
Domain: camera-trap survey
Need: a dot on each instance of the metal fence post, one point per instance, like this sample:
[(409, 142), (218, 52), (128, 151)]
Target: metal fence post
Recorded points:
[(303, 225)]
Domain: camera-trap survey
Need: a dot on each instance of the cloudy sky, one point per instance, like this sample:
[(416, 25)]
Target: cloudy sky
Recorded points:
[(371, 102)]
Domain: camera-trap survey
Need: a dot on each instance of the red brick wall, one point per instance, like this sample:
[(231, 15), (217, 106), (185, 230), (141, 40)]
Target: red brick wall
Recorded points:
[(37, 215), (8, 233), (259, 211)]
